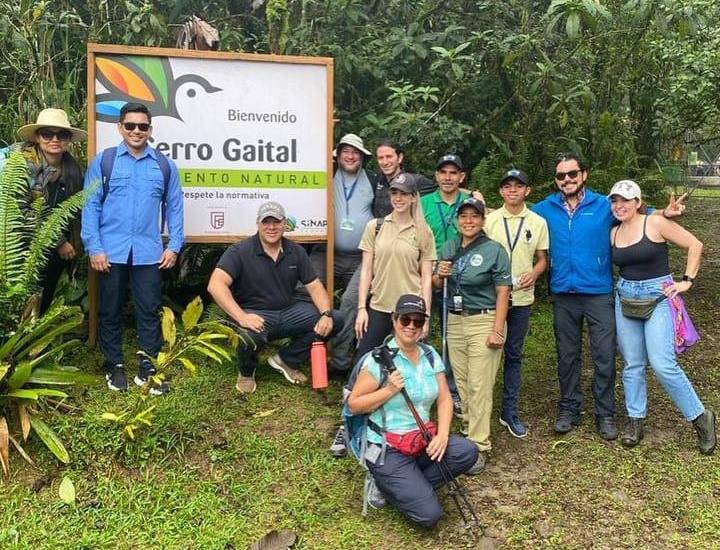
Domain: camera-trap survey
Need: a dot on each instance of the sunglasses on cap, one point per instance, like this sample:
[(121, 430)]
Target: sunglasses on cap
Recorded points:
[(417, 322), (572, 174), (48, 134), (130, 126)]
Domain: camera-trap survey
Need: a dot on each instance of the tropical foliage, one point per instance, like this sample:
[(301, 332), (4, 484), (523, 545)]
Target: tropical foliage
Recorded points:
[(31, 348), (194, 339)]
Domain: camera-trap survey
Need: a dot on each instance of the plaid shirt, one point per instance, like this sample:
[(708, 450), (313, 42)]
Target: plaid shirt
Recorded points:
[(569, 209)]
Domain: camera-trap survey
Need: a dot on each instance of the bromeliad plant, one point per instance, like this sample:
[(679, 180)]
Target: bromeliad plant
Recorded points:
[(185, 344), (31, 348)]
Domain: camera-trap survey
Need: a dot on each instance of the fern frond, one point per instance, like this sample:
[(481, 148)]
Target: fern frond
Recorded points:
[(13, 219), (47, 234)]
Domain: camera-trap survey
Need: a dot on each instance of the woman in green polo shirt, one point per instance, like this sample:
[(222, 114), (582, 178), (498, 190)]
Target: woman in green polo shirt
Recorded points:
[(479, 281)]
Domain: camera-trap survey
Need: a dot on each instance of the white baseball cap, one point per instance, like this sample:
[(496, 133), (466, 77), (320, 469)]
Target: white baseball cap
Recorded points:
[(627, 189)]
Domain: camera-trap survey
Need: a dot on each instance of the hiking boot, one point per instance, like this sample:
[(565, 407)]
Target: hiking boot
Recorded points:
[(292, 375), (705, 427), (115, 377), (633, 432), (606, 427), (373, 495), (514, 425), (565, 421), (479, 465), (338, 448), (245, 384)]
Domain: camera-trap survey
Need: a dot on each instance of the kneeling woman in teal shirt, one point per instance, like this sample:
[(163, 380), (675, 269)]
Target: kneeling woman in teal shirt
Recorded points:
[(409, 481), (479, 282)]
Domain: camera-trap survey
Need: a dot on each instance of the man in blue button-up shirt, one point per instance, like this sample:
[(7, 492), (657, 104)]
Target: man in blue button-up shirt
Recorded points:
[(121, 233)]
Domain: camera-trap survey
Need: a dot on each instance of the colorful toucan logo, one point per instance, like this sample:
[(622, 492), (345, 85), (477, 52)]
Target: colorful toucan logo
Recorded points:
[(142, 79)]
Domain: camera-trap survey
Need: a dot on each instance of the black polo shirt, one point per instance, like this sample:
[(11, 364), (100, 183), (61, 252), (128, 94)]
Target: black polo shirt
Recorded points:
[(259, 282)]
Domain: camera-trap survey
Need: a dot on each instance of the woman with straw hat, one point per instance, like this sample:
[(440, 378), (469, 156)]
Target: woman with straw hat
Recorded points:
[(54, 174)]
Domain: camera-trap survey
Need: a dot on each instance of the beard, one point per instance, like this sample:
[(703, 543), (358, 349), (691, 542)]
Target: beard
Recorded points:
[(575, 193)]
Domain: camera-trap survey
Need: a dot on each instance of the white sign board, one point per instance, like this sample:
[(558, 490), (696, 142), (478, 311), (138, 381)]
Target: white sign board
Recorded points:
[(242, 129)]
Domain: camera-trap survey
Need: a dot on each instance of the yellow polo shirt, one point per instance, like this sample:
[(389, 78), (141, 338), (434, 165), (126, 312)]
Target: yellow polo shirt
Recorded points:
[(531, 233), (397, 255)]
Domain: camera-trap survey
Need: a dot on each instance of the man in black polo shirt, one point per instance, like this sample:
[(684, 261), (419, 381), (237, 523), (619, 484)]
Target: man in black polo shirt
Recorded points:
[(253, 283)]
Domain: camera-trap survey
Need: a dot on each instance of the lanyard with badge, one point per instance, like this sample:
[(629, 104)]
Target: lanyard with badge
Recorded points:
[(347, 223), (512, 242), (447, 221), (461, 265)]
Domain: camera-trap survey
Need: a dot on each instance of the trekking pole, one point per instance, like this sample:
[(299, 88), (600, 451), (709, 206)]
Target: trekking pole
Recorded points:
[(444, 322), (456, 490)]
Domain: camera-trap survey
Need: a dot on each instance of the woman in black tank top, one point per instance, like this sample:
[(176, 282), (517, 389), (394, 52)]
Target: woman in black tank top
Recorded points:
[(640, 250)]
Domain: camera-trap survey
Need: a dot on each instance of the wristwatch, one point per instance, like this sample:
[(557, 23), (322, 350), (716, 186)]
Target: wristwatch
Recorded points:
[(689, 279), (327, 313)]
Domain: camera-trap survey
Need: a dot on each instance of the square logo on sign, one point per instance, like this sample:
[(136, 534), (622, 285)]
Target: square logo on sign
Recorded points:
[(217, 220)]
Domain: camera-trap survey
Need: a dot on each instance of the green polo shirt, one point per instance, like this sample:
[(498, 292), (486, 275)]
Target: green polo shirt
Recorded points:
[(477, 272), (441, 217)]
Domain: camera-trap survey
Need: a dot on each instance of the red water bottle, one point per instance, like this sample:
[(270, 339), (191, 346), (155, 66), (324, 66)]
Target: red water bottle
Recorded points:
[(318, 365)]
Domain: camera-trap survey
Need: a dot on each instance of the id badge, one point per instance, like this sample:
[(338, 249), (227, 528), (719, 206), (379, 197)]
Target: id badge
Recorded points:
[(457, 302), (347, 225), (372, 453)]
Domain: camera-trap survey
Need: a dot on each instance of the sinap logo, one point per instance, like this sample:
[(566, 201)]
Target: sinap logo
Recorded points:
[(290, 223)]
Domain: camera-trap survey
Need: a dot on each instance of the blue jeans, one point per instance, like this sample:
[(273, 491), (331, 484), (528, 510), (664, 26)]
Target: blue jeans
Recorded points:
[(518, 321), (295, 322), (651, 341)]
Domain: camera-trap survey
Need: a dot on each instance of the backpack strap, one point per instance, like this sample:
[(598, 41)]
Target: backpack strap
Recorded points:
[(378, 225), (107, 162)]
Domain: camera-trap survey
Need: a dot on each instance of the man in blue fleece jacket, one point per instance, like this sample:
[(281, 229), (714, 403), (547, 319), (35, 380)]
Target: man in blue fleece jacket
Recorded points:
[(579, 222)]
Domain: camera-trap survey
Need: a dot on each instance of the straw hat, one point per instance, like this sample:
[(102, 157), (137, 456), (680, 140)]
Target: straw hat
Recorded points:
[(50, 118)]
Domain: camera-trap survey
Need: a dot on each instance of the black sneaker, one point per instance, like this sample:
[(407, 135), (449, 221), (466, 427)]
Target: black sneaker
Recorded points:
[(115, 377), (146, 372), (606, 427), (565, 421)]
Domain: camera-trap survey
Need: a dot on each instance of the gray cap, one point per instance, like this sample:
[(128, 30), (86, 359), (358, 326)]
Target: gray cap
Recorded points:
[(352, 140), (270, 209), (407, 183)]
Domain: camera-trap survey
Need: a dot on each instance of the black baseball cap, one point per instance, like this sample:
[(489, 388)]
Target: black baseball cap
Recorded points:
[(515, 174), (450, 158), (473, 203), (410, 303)]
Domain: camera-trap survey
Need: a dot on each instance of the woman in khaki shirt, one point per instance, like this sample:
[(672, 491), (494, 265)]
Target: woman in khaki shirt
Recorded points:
[(398, 253)]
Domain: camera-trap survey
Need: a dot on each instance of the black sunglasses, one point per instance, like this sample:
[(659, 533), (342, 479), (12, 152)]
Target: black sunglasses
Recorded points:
[(572, 174), (417, 322), (130, 126), (48, 134)]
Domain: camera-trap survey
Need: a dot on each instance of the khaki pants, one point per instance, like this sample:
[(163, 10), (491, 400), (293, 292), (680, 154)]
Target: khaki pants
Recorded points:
[(475, 366)]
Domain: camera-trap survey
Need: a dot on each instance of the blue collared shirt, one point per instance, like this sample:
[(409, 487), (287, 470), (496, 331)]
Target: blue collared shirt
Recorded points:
[(129, 219)]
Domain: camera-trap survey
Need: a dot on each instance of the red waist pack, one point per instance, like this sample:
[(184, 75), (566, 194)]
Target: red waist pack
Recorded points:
[(410, 443)]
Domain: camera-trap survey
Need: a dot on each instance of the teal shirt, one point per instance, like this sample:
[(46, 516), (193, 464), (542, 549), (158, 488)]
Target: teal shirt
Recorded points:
[(421, 385), (441, 217), (477, 273)]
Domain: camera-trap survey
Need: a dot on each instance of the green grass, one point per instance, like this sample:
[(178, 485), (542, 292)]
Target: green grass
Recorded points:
[(219, 471)]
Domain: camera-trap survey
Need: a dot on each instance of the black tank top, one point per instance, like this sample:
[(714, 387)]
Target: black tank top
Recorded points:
[(645, 259)]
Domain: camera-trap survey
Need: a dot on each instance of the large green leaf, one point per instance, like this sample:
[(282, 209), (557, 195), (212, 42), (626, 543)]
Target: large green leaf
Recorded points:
[(168, 326), (24, 394), (20, 376), (50, 438), (58, 377), (192, 313)]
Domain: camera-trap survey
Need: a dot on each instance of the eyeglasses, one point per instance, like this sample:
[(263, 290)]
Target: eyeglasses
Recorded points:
[(130, 126), (572, 174), (48, 134), (417, 322)]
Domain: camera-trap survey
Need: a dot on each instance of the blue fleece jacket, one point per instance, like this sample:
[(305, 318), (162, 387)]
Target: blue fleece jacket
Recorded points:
[(580, 253)]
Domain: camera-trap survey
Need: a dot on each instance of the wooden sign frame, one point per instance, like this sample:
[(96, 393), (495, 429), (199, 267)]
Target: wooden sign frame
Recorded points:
[(94, 49)]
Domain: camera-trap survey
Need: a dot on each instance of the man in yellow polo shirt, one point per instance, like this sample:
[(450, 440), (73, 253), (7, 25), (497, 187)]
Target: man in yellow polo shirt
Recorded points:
[(524, 235)]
